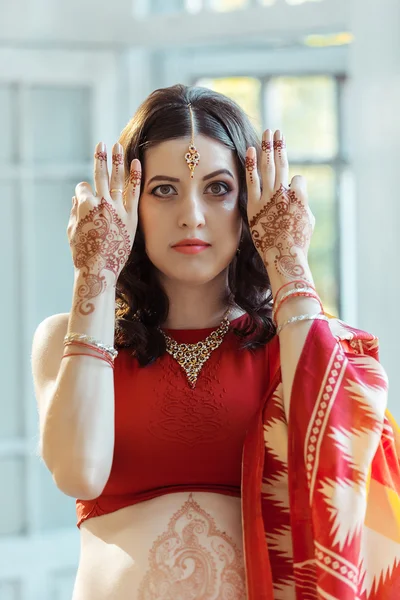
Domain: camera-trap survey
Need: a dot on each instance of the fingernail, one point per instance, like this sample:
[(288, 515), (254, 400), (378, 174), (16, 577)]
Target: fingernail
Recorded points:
[(102, 147)]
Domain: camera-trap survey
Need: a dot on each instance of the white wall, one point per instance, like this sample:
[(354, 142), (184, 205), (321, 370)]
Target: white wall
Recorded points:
[(375, 139)]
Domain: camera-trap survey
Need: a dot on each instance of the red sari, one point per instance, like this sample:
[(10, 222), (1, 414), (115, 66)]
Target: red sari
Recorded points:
[(321, 495)]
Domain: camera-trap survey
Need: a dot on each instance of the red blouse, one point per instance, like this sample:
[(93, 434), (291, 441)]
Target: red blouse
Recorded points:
[(169, 437)]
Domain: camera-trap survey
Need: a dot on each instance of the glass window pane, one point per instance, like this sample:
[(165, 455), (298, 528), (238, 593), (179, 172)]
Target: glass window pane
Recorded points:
[(8, 123), (193, 6), (10, 590), (167, 7), (11, 409), (295, 2), (12, 514), (227, 5), (323, 255), (61, 119), (304, 108), (246, 91)]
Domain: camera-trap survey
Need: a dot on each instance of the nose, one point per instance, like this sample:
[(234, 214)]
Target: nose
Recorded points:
[(191, 212)]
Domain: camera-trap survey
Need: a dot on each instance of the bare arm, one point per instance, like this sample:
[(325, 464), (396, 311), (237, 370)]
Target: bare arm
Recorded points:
[(75, 398), (75, 394)]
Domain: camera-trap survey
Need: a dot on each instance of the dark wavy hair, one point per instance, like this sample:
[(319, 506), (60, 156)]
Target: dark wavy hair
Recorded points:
[(141, 303)]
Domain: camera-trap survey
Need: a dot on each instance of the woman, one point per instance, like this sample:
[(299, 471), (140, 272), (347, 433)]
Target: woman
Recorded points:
[(236, 444)]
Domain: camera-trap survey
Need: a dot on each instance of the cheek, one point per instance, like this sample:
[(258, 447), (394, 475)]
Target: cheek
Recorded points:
[(147, 218), (230, 220)]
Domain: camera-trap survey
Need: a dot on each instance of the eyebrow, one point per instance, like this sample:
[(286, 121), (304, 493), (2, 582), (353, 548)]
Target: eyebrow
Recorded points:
[(176, 180)]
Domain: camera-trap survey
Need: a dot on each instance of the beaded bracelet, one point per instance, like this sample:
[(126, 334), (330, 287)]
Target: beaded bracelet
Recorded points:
[(320, 316)]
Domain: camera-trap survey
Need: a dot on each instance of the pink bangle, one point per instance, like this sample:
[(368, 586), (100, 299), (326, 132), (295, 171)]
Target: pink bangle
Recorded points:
[(90, 346), (295, 295), (295, 281), (104, 353), (107, 360)]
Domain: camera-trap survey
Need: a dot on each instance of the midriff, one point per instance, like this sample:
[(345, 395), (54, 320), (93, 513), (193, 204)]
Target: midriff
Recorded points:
[(178, 546)]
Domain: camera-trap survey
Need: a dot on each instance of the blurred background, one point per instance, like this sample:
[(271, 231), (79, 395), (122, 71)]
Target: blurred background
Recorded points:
[(72, 74)]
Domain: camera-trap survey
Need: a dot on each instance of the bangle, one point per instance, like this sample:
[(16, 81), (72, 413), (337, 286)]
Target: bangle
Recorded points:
[(320, 316), (91, 347), (107, 360), (307, 293), (80, 337), (304, 281)]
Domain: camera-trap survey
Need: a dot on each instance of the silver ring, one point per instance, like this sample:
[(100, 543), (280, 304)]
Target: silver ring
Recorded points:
[(116, 190)]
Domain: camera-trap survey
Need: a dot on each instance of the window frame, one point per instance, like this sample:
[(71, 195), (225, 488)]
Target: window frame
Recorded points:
[(296, 61)]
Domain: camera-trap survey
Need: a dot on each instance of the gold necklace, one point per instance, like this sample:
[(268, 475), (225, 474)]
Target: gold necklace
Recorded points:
[(192, 357)]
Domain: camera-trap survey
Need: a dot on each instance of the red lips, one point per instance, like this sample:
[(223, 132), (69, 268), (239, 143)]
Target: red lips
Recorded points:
[(191, 242)]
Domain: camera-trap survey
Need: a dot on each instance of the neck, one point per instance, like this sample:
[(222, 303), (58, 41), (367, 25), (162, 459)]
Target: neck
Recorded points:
[(197, 306)]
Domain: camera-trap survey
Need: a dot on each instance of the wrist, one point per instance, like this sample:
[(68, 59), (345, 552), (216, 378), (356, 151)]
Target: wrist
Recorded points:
[(95, 284), (298, 306), (280, 285)]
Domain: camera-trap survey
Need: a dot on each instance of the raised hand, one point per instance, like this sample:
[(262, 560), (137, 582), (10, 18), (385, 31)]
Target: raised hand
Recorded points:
[(280, 220), (102, 225)]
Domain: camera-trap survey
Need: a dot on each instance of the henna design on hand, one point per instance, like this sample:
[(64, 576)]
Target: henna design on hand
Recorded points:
[(266, 146), (117, 159), (250, 165), (101, 241), (102, 156), (134, 178), (279, 145), (283, 224)]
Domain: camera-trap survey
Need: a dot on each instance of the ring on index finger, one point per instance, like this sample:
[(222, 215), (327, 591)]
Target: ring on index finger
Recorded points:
[(116, 190)]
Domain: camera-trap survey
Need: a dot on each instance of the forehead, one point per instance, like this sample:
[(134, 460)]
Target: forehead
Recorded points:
[(169, 156)]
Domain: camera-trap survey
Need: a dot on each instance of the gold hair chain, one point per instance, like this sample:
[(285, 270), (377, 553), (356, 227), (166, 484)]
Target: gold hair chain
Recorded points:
[(193, 156)]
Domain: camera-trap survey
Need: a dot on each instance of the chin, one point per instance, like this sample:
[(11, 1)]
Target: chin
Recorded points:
[(194, 272)]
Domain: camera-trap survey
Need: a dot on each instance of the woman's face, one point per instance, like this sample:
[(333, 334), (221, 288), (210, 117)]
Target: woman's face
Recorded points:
[(173, 207)]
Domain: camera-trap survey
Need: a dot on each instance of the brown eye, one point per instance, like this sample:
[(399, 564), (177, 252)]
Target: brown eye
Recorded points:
[(217, 186), (165, 190)]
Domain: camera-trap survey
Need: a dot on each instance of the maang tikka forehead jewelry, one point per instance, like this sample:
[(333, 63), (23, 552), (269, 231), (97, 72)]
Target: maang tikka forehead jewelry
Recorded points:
[(192, 157)]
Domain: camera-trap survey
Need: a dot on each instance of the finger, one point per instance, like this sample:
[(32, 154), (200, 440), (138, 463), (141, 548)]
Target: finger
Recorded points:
[(252, 178), (267, 160), (281, 161), (132, 192), (83, 190), (117, 173), (101, 178), (299, 184)]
